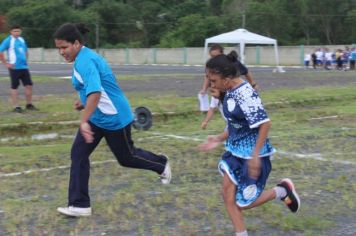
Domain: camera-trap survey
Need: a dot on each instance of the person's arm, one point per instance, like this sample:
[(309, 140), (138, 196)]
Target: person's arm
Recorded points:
[(78, 105), (254, 164), (91, 105), (249, 79), (205, 86), (208, 117), (3, 60), (213, 141)]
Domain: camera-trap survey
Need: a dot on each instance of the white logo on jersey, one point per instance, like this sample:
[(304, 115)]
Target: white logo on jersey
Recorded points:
[(231, 104), (250, 191)]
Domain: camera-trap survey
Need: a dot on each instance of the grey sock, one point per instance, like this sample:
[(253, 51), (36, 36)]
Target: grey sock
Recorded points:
[(280, 192)]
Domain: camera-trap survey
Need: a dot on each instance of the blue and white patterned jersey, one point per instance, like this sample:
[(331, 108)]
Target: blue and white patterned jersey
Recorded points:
[(244, 112), (16, 51), (91, 74)]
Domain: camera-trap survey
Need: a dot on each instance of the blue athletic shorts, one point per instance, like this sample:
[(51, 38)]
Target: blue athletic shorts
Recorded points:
[(247, 189)]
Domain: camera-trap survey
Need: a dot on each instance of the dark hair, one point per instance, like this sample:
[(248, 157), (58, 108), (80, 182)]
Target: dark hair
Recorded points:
[(233, 56), (71, 32), (216, 47), (222, 65), (222, 96), (16, 26)]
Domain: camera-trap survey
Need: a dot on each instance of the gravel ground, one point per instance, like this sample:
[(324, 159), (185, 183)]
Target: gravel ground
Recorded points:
[(186, 86)]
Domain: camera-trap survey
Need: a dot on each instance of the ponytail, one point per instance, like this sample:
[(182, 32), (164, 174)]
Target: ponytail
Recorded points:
[(222, 65), (233, 56)]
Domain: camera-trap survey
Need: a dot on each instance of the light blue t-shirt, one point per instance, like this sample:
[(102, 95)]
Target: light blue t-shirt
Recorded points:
[(16, 51), (244, 112), (91, 74)]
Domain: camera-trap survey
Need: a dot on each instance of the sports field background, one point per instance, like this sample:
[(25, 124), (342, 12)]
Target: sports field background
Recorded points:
[(313, 129)]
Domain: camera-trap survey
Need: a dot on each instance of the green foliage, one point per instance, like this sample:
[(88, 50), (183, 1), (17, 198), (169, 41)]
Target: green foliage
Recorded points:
[(192, 30), (3, 36), (39, 19), (184, 23)]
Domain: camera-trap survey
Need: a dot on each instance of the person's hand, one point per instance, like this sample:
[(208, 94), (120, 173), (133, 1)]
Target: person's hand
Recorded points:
[(202, 92), (214, 93), (9, 66), (78, 106), (210, 143), (256, 87), (254, 167), (204, 124), (85, 130)]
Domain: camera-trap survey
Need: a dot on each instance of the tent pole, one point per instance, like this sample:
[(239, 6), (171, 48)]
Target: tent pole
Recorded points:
[(242, 52), (205, 56)]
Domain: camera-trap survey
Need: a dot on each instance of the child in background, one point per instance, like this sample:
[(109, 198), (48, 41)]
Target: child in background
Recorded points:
[(215, 104)]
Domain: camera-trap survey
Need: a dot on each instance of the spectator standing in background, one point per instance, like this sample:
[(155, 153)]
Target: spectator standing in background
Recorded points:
[(16, 63), (307, 58), (352, 58), (314, 60), (339, 59)]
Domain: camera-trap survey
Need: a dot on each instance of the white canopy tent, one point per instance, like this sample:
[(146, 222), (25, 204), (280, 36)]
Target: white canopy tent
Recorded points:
[(242, 37)]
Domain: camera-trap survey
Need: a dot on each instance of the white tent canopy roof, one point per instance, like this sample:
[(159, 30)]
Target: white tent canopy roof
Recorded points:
[(242, 37)]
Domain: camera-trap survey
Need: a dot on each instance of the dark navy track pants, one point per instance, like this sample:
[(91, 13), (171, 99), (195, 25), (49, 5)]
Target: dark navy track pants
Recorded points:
[(121, 145)]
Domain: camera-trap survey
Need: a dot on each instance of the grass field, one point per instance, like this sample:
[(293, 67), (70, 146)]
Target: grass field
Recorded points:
[(314, 131)]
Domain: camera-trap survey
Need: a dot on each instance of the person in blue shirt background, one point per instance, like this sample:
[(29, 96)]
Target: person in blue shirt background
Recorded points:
[(17, 54), (106, 112), (245, 166)]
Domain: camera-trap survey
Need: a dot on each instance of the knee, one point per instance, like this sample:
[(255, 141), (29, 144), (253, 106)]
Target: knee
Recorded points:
[(125, 161)]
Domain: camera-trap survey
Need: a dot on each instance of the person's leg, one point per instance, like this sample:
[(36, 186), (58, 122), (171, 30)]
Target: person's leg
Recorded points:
[(265, 196), (28, 84), (235, 213), (13, 96), (28, 94), (122, 145), (78, 193), (15, 82)]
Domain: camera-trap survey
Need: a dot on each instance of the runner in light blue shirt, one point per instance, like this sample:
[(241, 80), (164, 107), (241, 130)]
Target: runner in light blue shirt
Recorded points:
[(91, 74), (106, 113), (16, 63)]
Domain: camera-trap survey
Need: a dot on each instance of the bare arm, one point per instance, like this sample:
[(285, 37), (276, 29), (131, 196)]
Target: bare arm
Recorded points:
[(213, 141), (3, 60), (205, 86), (254, 164), (208, 117), (249, 78)]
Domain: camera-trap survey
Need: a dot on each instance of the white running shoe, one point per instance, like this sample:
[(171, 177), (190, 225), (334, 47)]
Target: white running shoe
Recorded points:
[(166, 176), (74, 211)]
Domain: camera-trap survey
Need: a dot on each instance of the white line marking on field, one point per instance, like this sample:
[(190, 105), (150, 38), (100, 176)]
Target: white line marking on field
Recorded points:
[(316, 156), (69, 122), (50, 169), (313, 156), (178, 136), (323, 117)]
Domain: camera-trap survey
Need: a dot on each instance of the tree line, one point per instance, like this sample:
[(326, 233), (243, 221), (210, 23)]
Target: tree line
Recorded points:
[(184, 23)]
